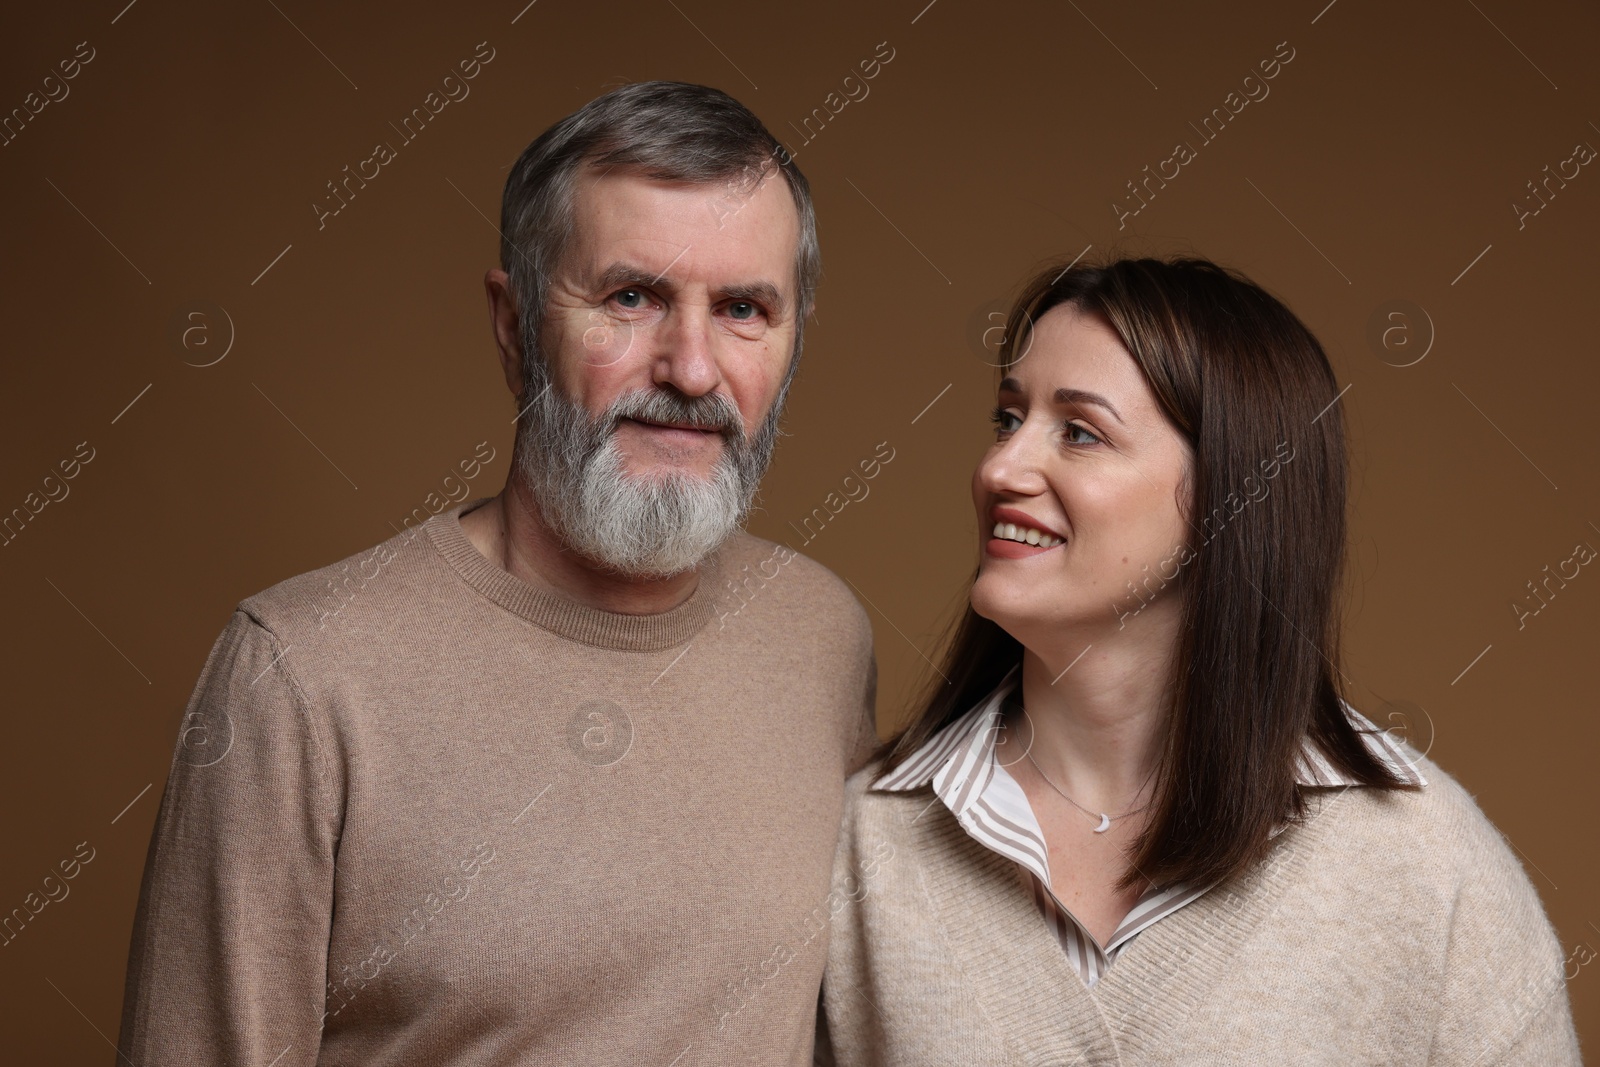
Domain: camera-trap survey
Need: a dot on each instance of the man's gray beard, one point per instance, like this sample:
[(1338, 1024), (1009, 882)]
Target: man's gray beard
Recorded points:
[(649, 526)]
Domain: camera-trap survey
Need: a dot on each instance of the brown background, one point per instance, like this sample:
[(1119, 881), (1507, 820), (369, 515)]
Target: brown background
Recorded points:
[(187, 156)]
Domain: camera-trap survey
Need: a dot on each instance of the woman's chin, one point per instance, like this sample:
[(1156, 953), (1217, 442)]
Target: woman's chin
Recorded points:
[(1004, 603), (1030, 613)]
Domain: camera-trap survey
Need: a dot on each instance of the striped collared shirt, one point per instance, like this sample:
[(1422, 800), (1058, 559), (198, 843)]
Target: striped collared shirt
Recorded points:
[(960, 762)]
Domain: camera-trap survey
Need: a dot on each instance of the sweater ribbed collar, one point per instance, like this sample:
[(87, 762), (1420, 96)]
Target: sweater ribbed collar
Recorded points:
[(568, 618)]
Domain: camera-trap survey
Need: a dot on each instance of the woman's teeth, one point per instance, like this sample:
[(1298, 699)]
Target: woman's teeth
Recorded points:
[(1027, 535)]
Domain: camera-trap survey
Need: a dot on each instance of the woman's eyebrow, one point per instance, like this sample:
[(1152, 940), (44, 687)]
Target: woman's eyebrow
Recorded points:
[(1067, 395)]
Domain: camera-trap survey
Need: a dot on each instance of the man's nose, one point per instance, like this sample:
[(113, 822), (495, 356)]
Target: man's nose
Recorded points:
[(685, 356)]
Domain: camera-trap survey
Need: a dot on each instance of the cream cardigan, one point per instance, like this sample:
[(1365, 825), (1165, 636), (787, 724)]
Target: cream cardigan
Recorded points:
[(1389, 928)]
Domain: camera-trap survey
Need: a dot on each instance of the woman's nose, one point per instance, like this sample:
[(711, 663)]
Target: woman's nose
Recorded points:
[(1012, 466)]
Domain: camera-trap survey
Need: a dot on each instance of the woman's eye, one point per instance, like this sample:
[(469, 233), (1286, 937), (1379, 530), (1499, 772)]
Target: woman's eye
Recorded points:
[(743, 310), (1073, 427), (1004, 421)]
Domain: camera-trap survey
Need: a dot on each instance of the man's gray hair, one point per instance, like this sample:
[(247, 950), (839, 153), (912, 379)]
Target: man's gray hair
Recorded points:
[(668, 131)]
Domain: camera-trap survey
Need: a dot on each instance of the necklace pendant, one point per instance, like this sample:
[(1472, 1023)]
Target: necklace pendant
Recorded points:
[(1105, 823)]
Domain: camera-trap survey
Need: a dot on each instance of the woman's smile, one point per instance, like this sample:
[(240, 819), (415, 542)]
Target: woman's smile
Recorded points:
[(1017, 535)]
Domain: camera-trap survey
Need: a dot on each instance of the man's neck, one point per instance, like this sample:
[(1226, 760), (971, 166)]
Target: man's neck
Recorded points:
[(508, 530)]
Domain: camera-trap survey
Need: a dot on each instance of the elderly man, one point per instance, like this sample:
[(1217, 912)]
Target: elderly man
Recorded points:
[(561, 782)]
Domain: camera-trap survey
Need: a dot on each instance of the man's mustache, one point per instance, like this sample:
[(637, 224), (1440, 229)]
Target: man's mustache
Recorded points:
[(713, 411)]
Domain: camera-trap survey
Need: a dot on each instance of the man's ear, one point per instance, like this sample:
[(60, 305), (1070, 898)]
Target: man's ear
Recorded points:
[(506, 324)]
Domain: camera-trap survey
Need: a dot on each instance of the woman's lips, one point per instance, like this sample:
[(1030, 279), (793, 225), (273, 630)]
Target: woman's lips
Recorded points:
[(1018, 535), (1000, 548)]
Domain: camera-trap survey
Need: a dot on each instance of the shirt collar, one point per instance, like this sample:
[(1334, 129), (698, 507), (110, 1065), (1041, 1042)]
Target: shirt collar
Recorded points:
[(959, 759)]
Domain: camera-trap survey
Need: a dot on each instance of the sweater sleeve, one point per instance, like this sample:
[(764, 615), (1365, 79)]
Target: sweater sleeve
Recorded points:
[(228, 958), (1548, 1039), (1503, 1001), (867, 733)]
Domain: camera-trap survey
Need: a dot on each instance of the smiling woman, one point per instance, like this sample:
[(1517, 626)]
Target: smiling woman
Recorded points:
[(1146, 837)]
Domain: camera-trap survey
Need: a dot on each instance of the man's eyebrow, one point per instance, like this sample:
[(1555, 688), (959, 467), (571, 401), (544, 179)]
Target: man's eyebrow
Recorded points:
[(760, 292), (621, 274), (1067, 395)]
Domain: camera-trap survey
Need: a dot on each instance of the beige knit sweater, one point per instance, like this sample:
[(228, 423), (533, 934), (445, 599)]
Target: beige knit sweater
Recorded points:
[(1391, 928), (420, 813)]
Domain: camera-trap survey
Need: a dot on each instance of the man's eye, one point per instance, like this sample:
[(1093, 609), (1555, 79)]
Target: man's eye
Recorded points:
[(743, 310), (630, 298)]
